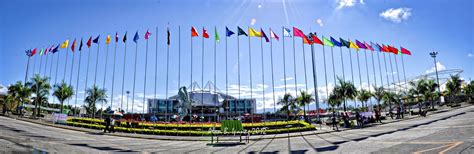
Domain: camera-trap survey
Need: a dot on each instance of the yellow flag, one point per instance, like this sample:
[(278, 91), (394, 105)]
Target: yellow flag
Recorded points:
[(352, 45), (65, 44), (254, 33), (107, 41)]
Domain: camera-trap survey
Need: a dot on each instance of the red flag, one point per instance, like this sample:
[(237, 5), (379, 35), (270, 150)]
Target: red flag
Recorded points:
[(147, 35), (393, 50), (33, 52), (298, 33), (194, 32), (405, 51), (204, 33), (89, 42), (316, 39), (116, 37), (385, 48), (73, 45)]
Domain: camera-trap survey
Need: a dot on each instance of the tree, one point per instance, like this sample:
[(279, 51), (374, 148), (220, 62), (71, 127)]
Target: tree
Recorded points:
[(346, 91), (63, 91), (453, 87), (288, 104), (364, 96), (304, 99), (40, 87), (390, 98), (20, 94), (94, 95), (335, 100), (378, 94), (469, 91), (430, 91)]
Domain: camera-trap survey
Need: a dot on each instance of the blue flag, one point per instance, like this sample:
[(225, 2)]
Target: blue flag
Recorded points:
[(96, 40), (286, 32), (55, 49), (375, 46), (135, 38), (335, 42), (228, 33)]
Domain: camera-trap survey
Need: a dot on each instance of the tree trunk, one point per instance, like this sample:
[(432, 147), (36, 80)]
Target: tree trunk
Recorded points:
[(61, 107), (432, 103)]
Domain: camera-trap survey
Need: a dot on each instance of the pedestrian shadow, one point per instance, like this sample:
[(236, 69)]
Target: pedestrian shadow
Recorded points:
[(101, 148), (327, 148)]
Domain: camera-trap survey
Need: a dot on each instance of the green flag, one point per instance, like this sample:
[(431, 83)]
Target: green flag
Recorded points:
[(217, 35), (327, 42), (41, 52)]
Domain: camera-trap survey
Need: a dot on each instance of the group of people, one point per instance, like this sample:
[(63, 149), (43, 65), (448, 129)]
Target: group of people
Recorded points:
[(109, 124), (360, 118)]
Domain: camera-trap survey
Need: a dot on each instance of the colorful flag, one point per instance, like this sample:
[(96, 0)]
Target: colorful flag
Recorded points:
[(264, 35), (168, 35), (360, 45), (46, 51), (273, 35), (335, 42), (393, 50), (96, 40), (29, 53), (327, 42), (125, 37), (405, 51), (80, 45), (216, 35), (41, 52), (286, 32), (73, 46), (240, 31), (116, 37), (345, 43), (368, 46), (107, 40), (147, 35), (385, 48), (228, 33), (136, 37), (89, 42), (55, 49), (298, 33), (33, 52), (204, 33), (308, 41), (65, 44), (353, 45), (316, 39), (194, 32), (254, 33), (375, 46)]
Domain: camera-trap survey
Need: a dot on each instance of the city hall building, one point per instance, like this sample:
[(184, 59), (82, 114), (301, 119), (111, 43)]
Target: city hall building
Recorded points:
[(206, 102)]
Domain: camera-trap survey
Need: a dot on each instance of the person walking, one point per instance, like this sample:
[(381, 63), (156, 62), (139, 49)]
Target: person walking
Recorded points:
[(334, 122), (112, 124), (107, 124), (359, 120)]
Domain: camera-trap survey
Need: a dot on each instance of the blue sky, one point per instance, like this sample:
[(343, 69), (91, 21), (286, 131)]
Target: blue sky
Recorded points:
[(420, 26)]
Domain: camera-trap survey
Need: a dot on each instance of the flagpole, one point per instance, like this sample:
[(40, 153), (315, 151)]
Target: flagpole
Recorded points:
[(87, 70), (238, 64), (156, 64), (250, 64), (144, 80), (367, 72), (179, 56), (215, 56), (333, 66), (167, 76), (284, 59), (403, 66), (105, 71), (123, 72), (263, 78), (273, 80), (41, 63), (398, 74), (65, 64), (315, 82), (386, 71), (27, 68), (325, 74), (191, 84), (380, 69), (56, 74), (360, 76), (294, 67), (34, 65), (134, 76), (46, 65), (77, 80), (305, 75), (202, 77), (226, 77), (342, 62), (96, 64), (391, 69), (375, 74), (51, 66), (113, 76), (70, 76)]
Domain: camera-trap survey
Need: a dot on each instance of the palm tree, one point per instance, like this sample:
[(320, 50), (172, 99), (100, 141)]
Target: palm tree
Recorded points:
[(63, 91), (288, 104), (94, 95), (346, 90), (453, 87), (364, 96), (40, 87), (430, 91), (469, 91), (378, 94), (304, 99), (335, 100), (390, 98), (20, 94)]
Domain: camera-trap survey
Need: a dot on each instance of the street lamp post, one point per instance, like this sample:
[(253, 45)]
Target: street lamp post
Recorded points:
[(128, 93), (433, 55)]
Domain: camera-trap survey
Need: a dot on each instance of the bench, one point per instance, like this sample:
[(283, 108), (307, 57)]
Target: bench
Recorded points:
[(231, 127)]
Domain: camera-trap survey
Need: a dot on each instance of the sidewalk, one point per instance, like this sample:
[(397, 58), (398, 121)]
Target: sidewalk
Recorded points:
[(321, 129)]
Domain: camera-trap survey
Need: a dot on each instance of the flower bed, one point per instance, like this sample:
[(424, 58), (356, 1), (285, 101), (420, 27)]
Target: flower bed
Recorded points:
[(194, 129)]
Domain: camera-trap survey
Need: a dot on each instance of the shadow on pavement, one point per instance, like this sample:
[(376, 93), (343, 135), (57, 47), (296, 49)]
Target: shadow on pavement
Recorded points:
[(102, 148)]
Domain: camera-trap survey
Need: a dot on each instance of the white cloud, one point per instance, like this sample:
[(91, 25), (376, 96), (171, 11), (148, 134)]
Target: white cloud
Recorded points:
[(345, 3), (470, 55), (362, 2), (287, 79), (319, 22), (253, 21), (3, 89), (259, 6), (396, 15), (438, 65)]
